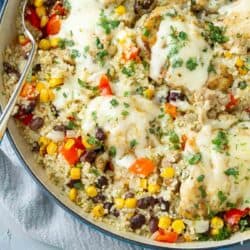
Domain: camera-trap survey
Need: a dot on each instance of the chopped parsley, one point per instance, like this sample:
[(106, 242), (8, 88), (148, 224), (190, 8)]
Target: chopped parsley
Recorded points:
[(94, 171), (242, 85), (98, 43), (194, 159), (108, 24), (133, 143), (114, 102), (244, 225), (93, 141), (126, 105), (100, 56), (112, 151), (125, 113), (129, 71), (145, 32), (232, 172), (202, 191), (63, 43), (75, 53), (78, 185), (174, 139), (220, 141), (66, 4), (221, 196), (191, 63), (200, 178), (177, 63), (224, 233), (71, 125), (216, 34)]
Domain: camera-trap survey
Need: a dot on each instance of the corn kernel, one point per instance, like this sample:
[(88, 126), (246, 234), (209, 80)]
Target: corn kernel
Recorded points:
[(43, 141), (120, 10), (214, 231), (239, 62), (144, 183), (55, 82), (130, 203), (43, 22), (91, 191), (40, 86), (217, 222), (23, 40), (38, 3), (164, 222), (44, 95), (119, 203), (69, 144), (242, 71), (178, 226), (54, 42), (97, 211), (148, 93), (168, 172), (41, 11), (153, 188), (44, 44), (33, 78), (52, 148), (75, 173), (228, 54), (51, 95), (72, 194)]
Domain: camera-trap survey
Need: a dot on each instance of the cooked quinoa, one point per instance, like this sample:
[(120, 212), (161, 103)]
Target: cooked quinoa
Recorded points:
[(139, 111)]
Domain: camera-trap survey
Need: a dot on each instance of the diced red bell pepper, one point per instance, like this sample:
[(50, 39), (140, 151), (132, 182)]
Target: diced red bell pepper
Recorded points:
[(54, 25), (58, 9), (25, 119), (71, 155), (32, 17), (169, 237), (232, 102), (78, 143), (233, 216), (104, 86), (28, 91)]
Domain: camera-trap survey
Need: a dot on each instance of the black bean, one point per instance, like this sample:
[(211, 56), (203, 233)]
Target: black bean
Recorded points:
[(137, 221), (153, 224), (108, 206), (36, 68), (35, 147), (100, 198), (29, 108), (89, 156), (174, 95), (61, 128), (102, 182), (36, 123), (54, 111), (164, 205), (129, 195), (146, 202), (143, 6), (49, 3), (115, 212), (10, 69), (100, 134)]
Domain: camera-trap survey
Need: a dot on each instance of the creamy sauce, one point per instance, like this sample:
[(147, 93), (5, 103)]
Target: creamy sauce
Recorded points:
[(195, 47), (79, 27), (122, 129)]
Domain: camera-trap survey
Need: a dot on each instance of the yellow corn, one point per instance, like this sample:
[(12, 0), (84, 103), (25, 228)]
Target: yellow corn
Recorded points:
[(215, 231), (130, 203), (168, 173), (41, 11), (120, 10), (43, 22), (55, 82), (144, 183), (72, 194), (38, 3), (40, 86), (239, 62), (75, 173), (119, 203), (44, 44), (33, 78), (43, 141), (69, 144), (164, 222), (98, 211), (228, 54), (148, 93), (44, 95), (23, 40), (54, 42), (91, 191), (153, 188), (52, 148), (178, 226), (217, 223), (51, 95)]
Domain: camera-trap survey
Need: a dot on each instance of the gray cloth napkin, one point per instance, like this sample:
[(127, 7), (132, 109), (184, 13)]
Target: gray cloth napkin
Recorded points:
[(40, 216)]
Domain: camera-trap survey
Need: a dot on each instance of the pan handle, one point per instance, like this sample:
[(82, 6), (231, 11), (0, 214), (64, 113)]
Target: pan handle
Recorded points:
[(3, 4)]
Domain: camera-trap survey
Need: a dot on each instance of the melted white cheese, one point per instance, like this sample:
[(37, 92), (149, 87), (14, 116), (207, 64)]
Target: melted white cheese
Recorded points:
[(213, 167), (238, 6), (79, 27), (121, 130), (195, 47)]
